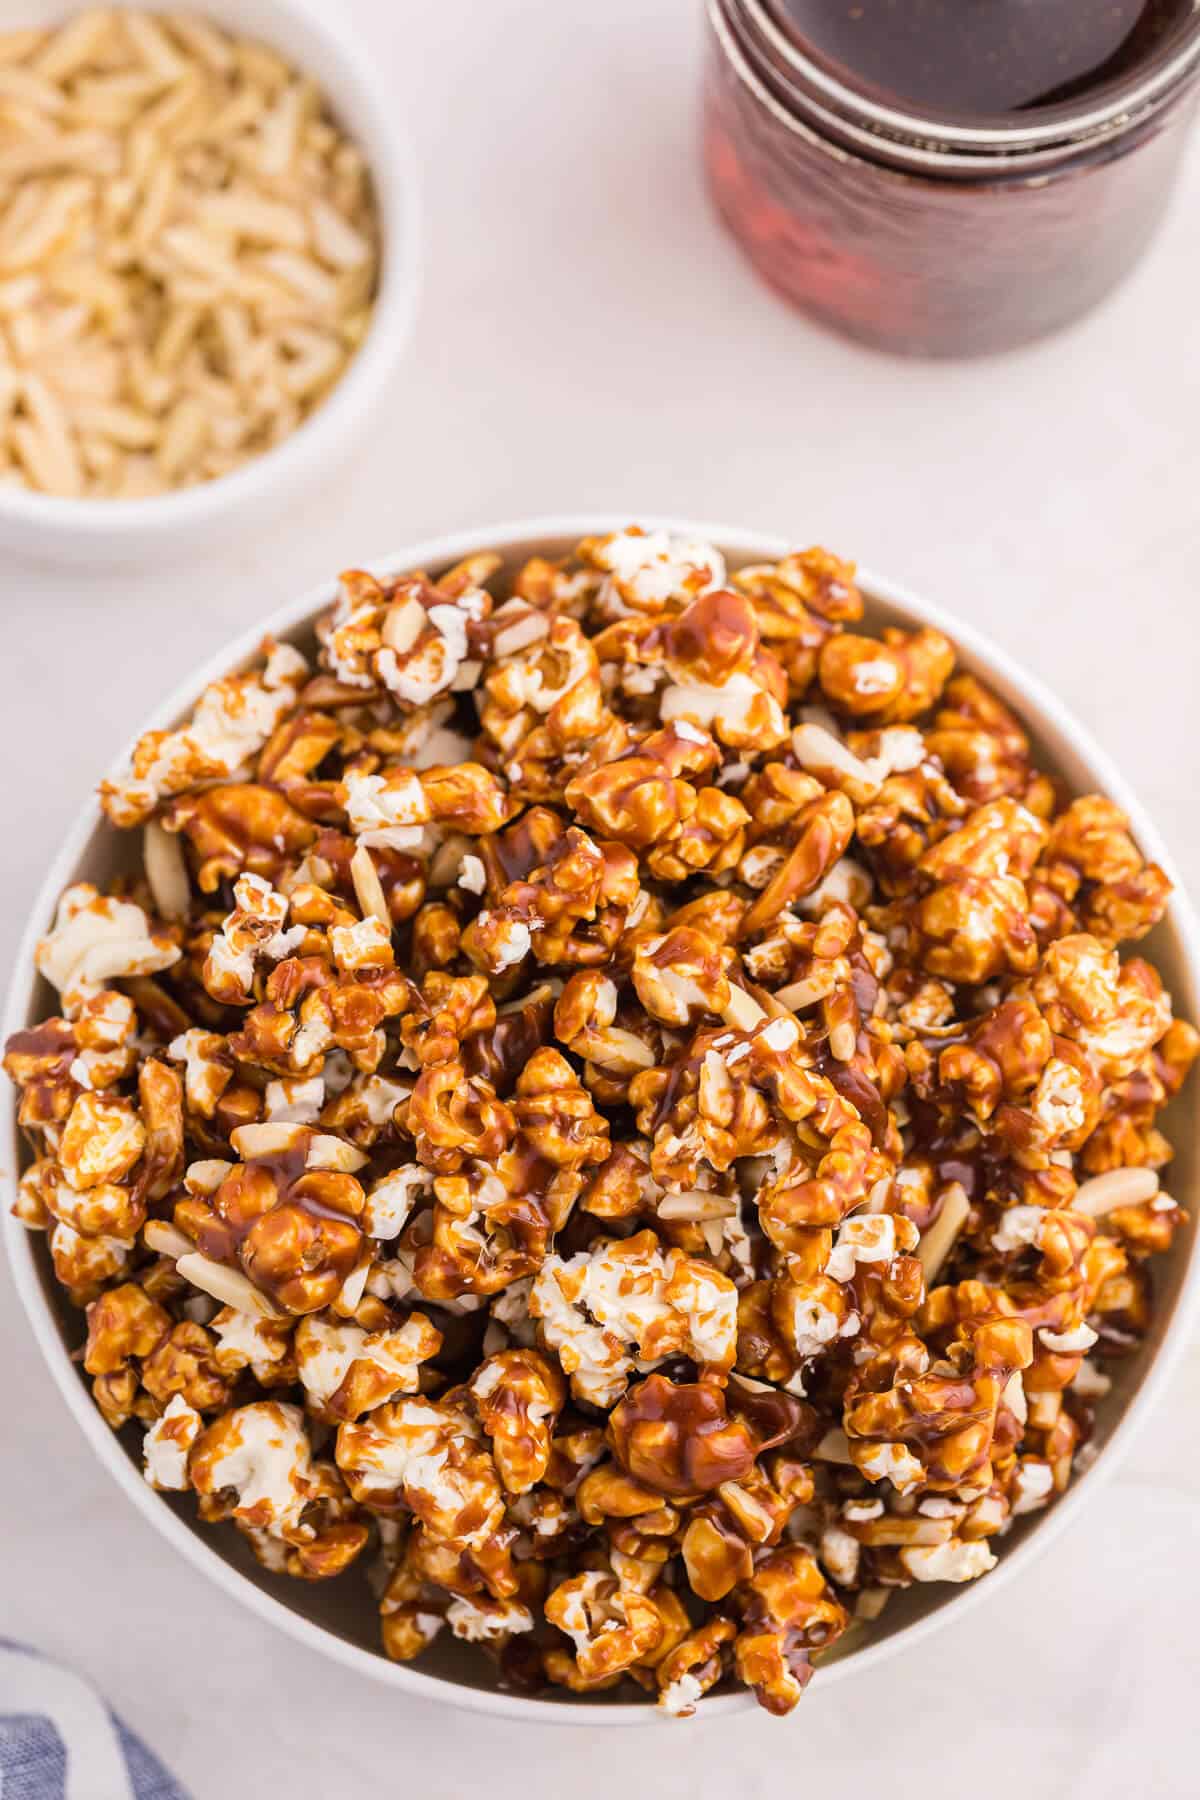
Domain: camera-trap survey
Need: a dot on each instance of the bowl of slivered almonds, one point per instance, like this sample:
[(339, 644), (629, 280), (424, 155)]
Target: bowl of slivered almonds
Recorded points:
[(208, 268), (597, 1120)]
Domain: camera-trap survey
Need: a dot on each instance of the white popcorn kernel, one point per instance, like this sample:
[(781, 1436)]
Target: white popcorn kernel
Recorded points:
[(1032, 1486), (295, 1102), (387, 813), (652, 567), (248, 1341), (483, 1621), (680, 1696), (952, 1561), (472, 875), (1019, 1225), (811, 1325), (600, 1310), (840, 1554), (166, 1445), (268, 1464), (1058, 1103), (231, 723), (893, 1462), (95, 940), (390, 1202), (869, 1238), (512, 942), (327, 1350), (365, 944)]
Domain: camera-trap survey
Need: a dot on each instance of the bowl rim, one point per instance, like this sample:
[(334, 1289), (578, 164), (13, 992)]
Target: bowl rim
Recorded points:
[(392, 164), (1042, 707)]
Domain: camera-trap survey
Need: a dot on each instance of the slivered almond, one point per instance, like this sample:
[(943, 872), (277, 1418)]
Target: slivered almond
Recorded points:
[(165, 1239), (937, 1243), (742, 1010), (166, 870), (227, 1285), (834, 1447), (1118, 1187), (368, 888), (521, 634), (687, 1209)]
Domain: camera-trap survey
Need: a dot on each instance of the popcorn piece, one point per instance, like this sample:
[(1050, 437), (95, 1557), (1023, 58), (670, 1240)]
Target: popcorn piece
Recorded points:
[(647, 569), (252, 934), (952, 1561), (231, 724), (484, 1621), (389, 1203), (249, 1341), (347, 1371), (388, 812), (261, 1455), (429, 1456), (167, 1444), (868, 1238), (95, 939), (626, 1306)]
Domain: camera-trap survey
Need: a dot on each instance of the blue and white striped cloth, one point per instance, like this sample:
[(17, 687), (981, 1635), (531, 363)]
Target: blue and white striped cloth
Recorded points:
[(59, 1741)]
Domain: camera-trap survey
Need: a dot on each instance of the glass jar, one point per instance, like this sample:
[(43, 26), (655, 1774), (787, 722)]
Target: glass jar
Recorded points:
[(930, 237)]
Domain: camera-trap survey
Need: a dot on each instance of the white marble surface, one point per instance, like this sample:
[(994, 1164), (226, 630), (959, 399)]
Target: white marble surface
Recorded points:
[(587, 339)]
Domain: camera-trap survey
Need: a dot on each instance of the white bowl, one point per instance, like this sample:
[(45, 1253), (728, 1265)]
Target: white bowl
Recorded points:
[(112, 533), (339, 1617)]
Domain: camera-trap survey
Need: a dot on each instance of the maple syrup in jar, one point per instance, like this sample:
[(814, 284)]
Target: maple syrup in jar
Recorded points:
[(946, 177)]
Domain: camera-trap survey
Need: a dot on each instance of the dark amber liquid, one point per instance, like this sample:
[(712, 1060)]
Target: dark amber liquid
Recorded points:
[(982, 59)]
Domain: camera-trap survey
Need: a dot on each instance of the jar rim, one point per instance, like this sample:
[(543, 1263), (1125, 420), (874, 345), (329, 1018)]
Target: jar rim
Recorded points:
[(943, 144)]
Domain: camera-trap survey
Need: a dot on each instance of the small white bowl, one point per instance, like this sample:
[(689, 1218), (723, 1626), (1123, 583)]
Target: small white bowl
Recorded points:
[(113, 533), (339, 1617)]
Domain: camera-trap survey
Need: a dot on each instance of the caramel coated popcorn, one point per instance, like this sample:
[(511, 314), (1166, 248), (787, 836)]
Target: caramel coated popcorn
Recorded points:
[(619, 1091)]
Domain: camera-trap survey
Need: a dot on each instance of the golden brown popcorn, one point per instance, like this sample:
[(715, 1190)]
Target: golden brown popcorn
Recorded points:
[(681, 976), (518, 1395), (411, 638), (254, 1465), (650, 571), (240, 827), (428, 1456), (787, 1614), (719, 679), (983, 749), (694, 1666), (1094, 869), (1114, 1011), (684, 1439), (612, 1628), (816, 840), (971, 921), (799, 602), (587, 1021), (643, 798), (889, 680), (935, 1433), (288, 1215)]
